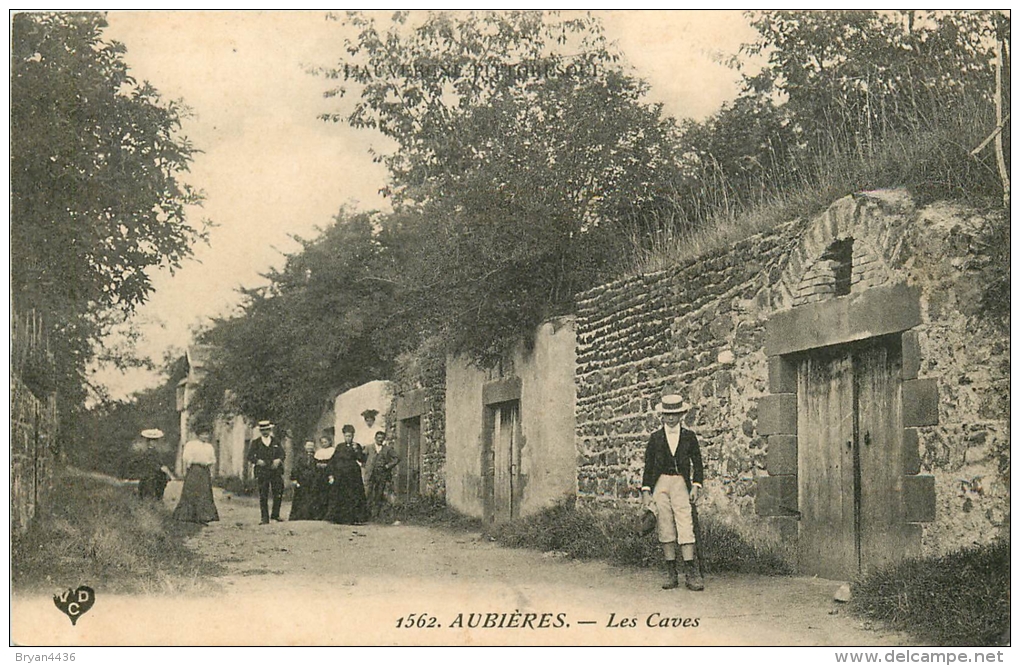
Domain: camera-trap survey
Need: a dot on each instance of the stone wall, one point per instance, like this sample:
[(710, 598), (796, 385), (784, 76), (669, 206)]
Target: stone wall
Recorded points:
[(700, 328), (419, 384), (697, 329), (33, 452)]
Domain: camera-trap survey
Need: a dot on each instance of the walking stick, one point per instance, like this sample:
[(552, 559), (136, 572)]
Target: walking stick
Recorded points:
[(697, 537)]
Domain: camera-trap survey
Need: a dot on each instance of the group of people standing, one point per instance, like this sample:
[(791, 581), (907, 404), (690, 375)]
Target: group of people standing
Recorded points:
[(329, 481)]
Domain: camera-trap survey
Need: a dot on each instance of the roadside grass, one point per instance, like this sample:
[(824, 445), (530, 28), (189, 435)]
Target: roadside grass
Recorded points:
[(610, 534), (606, 533), (957, 599), (97, 533), (429, 511)]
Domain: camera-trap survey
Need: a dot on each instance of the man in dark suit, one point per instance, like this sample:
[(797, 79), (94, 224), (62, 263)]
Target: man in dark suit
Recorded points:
[(670, 485), (379, 467), (266, 454)]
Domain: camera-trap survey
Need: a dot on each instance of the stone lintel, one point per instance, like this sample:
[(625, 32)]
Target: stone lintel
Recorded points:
[(503, 390), (874, 312), (411, 404)]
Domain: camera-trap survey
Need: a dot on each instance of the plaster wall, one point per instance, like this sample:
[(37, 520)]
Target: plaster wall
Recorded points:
[(546, 396)]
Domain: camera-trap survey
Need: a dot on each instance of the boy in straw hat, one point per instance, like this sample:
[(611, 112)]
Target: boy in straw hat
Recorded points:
[(671, 483)]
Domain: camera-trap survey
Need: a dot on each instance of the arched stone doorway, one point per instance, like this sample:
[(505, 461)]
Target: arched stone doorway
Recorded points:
[(845, 402)]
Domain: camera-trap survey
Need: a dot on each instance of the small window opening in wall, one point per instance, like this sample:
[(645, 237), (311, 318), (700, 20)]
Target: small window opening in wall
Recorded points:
[(842, 253)]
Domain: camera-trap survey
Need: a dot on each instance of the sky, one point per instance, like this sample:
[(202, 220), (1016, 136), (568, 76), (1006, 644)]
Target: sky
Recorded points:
[(271, 169)]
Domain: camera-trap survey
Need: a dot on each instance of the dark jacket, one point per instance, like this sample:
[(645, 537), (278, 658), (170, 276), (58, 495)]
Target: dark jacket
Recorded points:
[(658, 461), (259, 451), (379, 466)]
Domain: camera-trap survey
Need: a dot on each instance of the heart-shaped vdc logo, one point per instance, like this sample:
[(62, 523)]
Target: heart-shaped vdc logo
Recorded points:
[(75, 603)]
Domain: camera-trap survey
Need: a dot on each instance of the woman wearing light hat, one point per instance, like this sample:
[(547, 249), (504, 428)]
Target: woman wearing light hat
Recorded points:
[(153, 474), (671, 483)]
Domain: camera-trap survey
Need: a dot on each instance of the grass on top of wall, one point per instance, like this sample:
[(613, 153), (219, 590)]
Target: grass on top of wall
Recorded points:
[(933, 163), (610, 534), (96, 532), (957, 599)]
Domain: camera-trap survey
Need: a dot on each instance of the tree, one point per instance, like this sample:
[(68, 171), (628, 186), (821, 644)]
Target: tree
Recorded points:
[(525, 149), (850, 81), (321, 325), (96, 199)]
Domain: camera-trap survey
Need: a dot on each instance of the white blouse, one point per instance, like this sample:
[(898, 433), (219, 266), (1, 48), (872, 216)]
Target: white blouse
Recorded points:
[(197, 452)]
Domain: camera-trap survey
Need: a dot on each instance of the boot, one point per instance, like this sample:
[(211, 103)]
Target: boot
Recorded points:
[(692, 576), (672, 578)]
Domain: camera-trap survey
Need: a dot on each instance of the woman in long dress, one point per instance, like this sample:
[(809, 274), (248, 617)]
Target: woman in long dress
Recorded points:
[(348, 504), (303, 476), (321, 501), (196, 504)]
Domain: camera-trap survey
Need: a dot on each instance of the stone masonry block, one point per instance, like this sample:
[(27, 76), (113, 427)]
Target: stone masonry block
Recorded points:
[(781, 457), (786, 526), (919, 498), (777, 414), (911, 540), (782, 375), (776, 496), (920, 402), (911, 452), (911, 355)]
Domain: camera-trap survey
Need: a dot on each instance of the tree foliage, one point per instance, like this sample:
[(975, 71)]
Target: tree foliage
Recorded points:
[(96, 198), (526, 150), (320, 326), (884, 98), (528, 166)]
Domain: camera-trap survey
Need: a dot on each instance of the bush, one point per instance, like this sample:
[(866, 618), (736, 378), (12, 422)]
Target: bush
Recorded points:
[(96, 533), (610, 534), (428, 511), (958, 599)]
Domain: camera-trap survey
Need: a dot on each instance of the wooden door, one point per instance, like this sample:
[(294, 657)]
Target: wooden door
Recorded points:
[(501, 458), (825, 465), (409, 471), (880, 443), (849, 459)]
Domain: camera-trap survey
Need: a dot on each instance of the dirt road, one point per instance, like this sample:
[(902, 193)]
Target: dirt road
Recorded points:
[(312, 583)]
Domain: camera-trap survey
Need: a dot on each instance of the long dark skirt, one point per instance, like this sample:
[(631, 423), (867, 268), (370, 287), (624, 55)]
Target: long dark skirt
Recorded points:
[(309, 503), (347, 503), (196, 504)]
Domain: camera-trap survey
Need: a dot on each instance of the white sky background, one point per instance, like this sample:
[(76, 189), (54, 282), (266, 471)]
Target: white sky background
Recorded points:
[(270, 168)]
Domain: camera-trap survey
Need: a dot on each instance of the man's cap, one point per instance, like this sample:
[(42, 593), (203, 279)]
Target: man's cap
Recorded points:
[(152, 433), (265, 425), (674, 404)]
